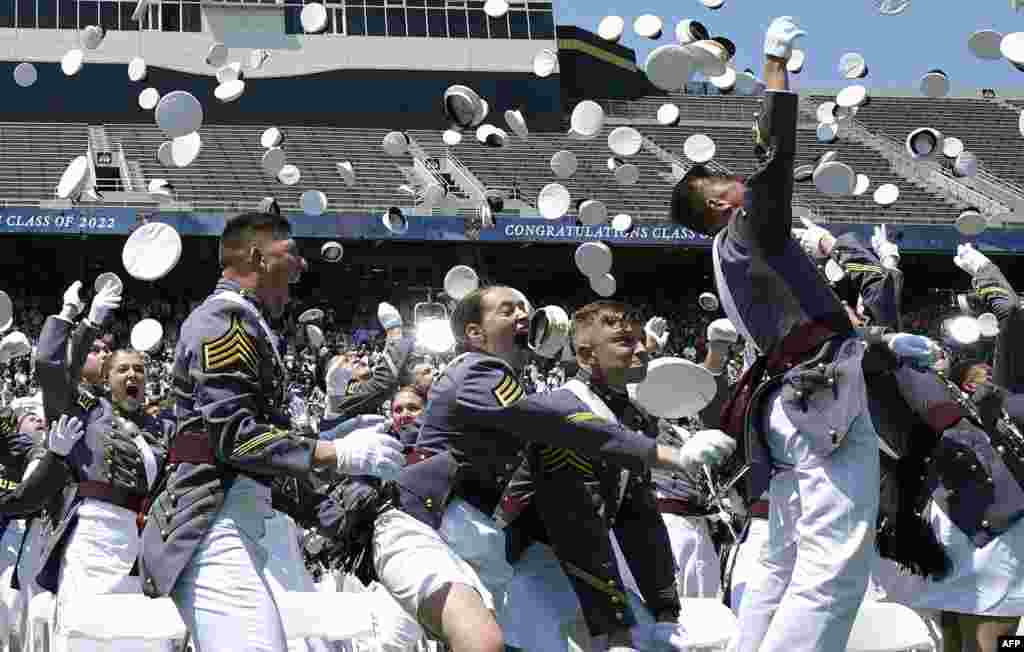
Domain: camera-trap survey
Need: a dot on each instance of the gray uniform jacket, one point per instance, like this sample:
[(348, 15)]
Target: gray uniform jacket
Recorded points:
[(106, 456), (229, 390)]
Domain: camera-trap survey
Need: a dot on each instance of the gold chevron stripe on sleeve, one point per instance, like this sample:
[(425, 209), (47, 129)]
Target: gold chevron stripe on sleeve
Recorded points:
[(259, 441), (555, 459), (984, 292), (582, 417), (508, 391), (859, 267), (234, 349)]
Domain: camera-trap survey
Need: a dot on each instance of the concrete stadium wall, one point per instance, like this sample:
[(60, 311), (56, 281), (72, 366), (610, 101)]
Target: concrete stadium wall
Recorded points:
[(263, 27), (395, 99)]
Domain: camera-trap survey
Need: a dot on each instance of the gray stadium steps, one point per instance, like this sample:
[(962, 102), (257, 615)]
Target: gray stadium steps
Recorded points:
[(987, 129)]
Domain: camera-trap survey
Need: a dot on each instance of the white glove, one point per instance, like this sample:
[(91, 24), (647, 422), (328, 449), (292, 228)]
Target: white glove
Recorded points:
[(368, 451), (105, 302), (360, 422), (659, 637), (886, 250), (915, 350), (14, 345), (388, 316), (970, 259), (73, 304), (816, 241), (722, 330), (64, 435), (778, 40), (711, 447), (657, 328)]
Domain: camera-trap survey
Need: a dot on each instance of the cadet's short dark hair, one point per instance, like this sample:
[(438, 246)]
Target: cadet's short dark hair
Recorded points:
[(244, 226), (108, 363), (687, 208), (469, 310)]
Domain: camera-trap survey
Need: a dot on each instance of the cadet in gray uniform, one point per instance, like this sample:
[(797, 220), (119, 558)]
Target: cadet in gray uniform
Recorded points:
[(233, 447), (801, 407), (580, 500), (442, 555)]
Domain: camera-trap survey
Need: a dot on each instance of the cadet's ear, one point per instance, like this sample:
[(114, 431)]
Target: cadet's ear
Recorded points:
[(474, 333), (585, 354)]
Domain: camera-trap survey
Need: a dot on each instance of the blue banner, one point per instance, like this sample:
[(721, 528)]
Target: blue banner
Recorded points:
[(361, 226)]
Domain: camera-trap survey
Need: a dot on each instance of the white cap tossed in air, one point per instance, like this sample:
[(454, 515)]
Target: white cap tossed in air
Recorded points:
[(699, 148), (332, 251), (25, 74), (611, 27), (147, 335), (151, 251), (179, 113), (148, 98), (603, 285), (460, 281), (185, 149), (313, 202), (553, 201), (593, 259), (137, 69), (563, 164)]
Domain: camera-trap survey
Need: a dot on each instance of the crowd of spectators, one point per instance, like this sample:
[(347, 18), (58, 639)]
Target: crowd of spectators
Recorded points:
[(358, 332)]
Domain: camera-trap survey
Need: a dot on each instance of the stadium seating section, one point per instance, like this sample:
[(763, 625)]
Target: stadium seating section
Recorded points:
[(228, 175)]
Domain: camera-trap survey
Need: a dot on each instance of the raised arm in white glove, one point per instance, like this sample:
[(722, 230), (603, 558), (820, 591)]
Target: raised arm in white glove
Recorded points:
[(369, 451), (886, 250), (778, 40), (816, 241), (722, 330), (388, 316), (970, 259), (349, 426), (657, 329), (73, 304), (105, 302), (63, 435), (711, 447)]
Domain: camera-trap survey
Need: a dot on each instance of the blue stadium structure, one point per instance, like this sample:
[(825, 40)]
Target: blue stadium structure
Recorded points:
[(383, 66)]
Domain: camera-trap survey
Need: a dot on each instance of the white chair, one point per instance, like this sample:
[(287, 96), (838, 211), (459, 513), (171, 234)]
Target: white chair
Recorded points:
[(709, 624), (888, 627), (38, 638), (332, 616), (132, 620)]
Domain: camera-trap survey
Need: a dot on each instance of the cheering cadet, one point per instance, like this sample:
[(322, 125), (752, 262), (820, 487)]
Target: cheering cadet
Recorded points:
[(442, 555), (580, 500), (203, 541), (810, 422)]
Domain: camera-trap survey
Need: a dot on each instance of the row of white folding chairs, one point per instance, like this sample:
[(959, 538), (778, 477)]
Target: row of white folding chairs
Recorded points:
[(137, 621), (879, 626)]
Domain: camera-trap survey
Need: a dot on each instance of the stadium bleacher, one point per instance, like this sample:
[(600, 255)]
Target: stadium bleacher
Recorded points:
[(33, 156), (228, 175), (983, 125), (228, 172)]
